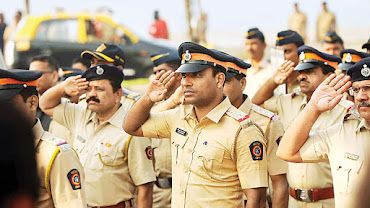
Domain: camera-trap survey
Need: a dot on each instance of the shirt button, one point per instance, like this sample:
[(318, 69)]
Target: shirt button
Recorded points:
[(186, 171), (182, 192)]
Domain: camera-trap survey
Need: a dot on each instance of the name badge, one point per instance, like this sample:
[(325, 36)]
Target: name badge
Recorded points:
[(351, 156), (181, 132)]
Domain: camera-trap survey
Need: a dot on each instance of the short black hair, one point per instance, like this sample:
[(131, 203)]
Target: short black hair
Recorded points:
[(28, 92), (115, 85), (52, 62), (327, 69), (83, 61)]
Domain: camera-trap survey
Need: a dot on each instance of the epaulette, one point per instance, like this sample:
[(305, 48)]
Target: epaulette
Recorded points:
[(296, 91), (264, 112), (241, 117), (352, 116), (60, 143), (130, 94), (347, 105)]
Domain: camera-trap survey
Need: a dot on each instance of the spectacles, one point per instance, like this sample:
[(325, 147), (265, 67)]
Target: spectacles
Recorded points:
[(353, 91)]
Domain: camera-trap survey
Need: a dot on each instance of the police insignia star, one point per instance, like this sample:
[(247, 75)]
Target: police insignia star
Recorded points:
[(365, 71), (187, 56), (74, 179), (302, 56), (256, 149), (149, 152), (348, 57), (99, 70)]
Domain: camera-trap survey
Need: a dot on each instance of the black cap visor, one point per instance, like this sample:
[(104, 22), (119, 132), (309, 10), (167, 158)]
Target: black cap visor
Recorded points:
[(366, 45), (344, 66), (8, 94), (307, 65)]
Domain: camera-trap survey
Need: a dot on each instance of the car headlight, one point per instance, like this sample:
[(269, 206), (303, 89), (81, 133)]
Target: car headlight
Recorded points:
[(9, 53)]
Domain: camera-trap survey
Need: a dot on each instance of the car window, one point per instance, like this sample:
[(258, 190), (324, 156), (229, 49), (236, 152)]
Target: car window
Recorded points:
[(100, 31), (58, 30)]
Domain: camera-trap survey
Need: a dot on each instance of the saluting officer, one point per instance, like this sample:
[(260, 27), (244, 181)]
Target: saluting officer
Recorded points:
[(309, 178), (115, 163), (217, 151), (272, 129), (332, 44), (167, 60), (60, 172), (346, 144)]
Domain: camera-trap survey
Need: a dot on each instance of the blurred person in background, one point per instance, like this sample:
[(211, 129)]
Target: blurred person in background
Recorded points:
[(11, 28), (2, 30), (298, 22), (158, 29), (325, 22), (366, 46), (80, 63), (332, 44)]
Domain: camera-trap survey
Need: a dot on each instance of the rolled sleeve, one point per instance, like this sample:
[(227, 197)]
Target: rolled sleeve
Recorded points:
[(159, 125), (66, 113), (252, 173), (140, 161), (271, 104)]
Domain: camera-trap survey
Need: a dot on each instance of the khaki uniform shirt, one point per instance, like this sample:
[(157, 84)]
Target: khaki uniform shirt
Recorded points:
[(66, 177), (298, 23), (325, 22), (162, 155), (346, 145), (307, 175), (212, 159), (273, 131), (256, 77), (103, 151)]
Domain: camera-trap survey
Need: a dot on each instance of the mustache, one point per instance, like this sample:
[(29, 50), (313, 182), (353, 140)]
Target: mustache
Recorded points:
[(93, 99), (363, 104)]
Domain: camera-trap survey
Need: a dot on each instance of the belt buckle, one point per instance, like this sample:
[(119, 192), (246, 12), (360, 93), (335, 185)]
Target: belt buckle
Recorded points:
[(304, 195)]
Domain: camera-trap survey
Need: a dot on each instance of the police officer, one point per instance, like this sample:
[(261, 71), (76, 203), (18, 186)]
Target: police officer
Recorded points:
[(261, 69), (60, 172), (298, 22), (326, 21), (106, 53), (164, 61), (216, 150), (272, 129), (288, 41), (346, 144), (307, 178), (114, 162), (332, 44), (367, 46)]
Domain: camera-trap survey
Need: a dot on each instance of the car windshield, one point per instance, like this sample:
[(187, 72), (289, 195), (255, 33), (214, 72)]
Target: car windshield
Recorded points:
[(62, 30)]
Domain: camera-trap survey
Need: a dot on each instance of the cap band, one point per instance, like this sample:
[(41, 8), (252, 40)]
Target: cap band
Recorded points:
[(288, 36), (107, 58), (314, 56), (251, 33), (204, 57), (351, 57), (7, 81), (159, 56)]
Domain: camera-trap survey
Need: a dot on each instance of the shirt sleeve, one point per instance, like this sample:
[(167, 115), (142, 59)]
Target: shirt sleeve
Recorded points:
[(317, 146), (250, 150), (275, 165), (271, 104), (66, 113), (159, 125), (140, 161), (67, 181)]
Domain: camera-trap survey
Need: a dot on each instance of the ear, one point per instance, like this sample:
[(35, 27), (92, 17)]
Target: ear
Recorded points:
[(119, 94), (55, 76), (243, 84), (220, 78), (33, 102)]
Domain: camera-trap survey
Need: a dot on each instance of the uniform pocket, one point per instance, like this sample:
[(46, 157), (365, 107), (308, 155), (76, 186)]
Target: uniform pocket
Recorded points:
[(348, 176), (177, 146), (212, 159)]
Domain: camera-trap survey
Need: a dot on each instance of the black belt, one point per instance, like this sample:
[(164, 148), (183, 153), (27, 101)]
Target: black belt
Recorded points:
[(164, 183)]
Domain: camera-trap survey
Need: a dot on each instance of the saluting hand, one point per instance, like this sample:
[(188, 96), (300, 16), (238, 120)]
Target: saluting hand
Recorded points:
[(329, 93), (75, 86), (157, 88), (283, 72)]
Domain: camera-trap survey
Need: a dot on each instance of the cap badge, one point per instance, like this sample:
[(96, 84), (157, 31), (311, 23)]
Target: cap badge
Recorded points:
[(101, 48), (99, 70), (302, 56), (187, 56), (365, 71), (349, 57)]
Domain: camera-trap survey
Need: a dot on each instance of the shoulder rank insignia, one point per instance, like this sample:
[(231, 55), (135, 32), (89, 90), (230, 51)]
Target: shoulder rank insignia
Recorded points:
[(256, 149), (264, 112), (130, 94), (74, 179), (60, 143), (149, 152), (239, 116)]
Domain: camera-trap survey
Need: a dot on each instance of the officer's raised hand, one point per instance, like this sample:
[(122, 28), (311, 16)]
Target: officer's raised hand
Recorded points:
[(157, 88), (283, 72), (330, 91), (75, 86)]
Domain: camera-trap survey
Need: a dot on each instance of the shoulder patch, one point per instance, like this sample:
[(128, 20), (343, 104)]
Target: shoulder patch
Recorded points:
[(256, 149), (264, 112), (239, 116), (74, 179), (60, 143), (347, 105), (129, 94), (149, 152)]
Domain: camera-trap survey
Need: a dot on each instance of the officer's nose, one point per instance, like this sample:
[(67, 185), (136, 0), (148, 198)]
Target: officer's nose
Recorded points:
[(302, 76), (362, 96), (186, 80)]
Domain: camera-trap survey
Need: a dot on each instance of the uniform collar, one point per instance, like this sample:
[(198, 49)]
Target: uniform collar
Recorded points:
[(38, 131), (116, 120), (214, 115), (246, 106), (364, 124)]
